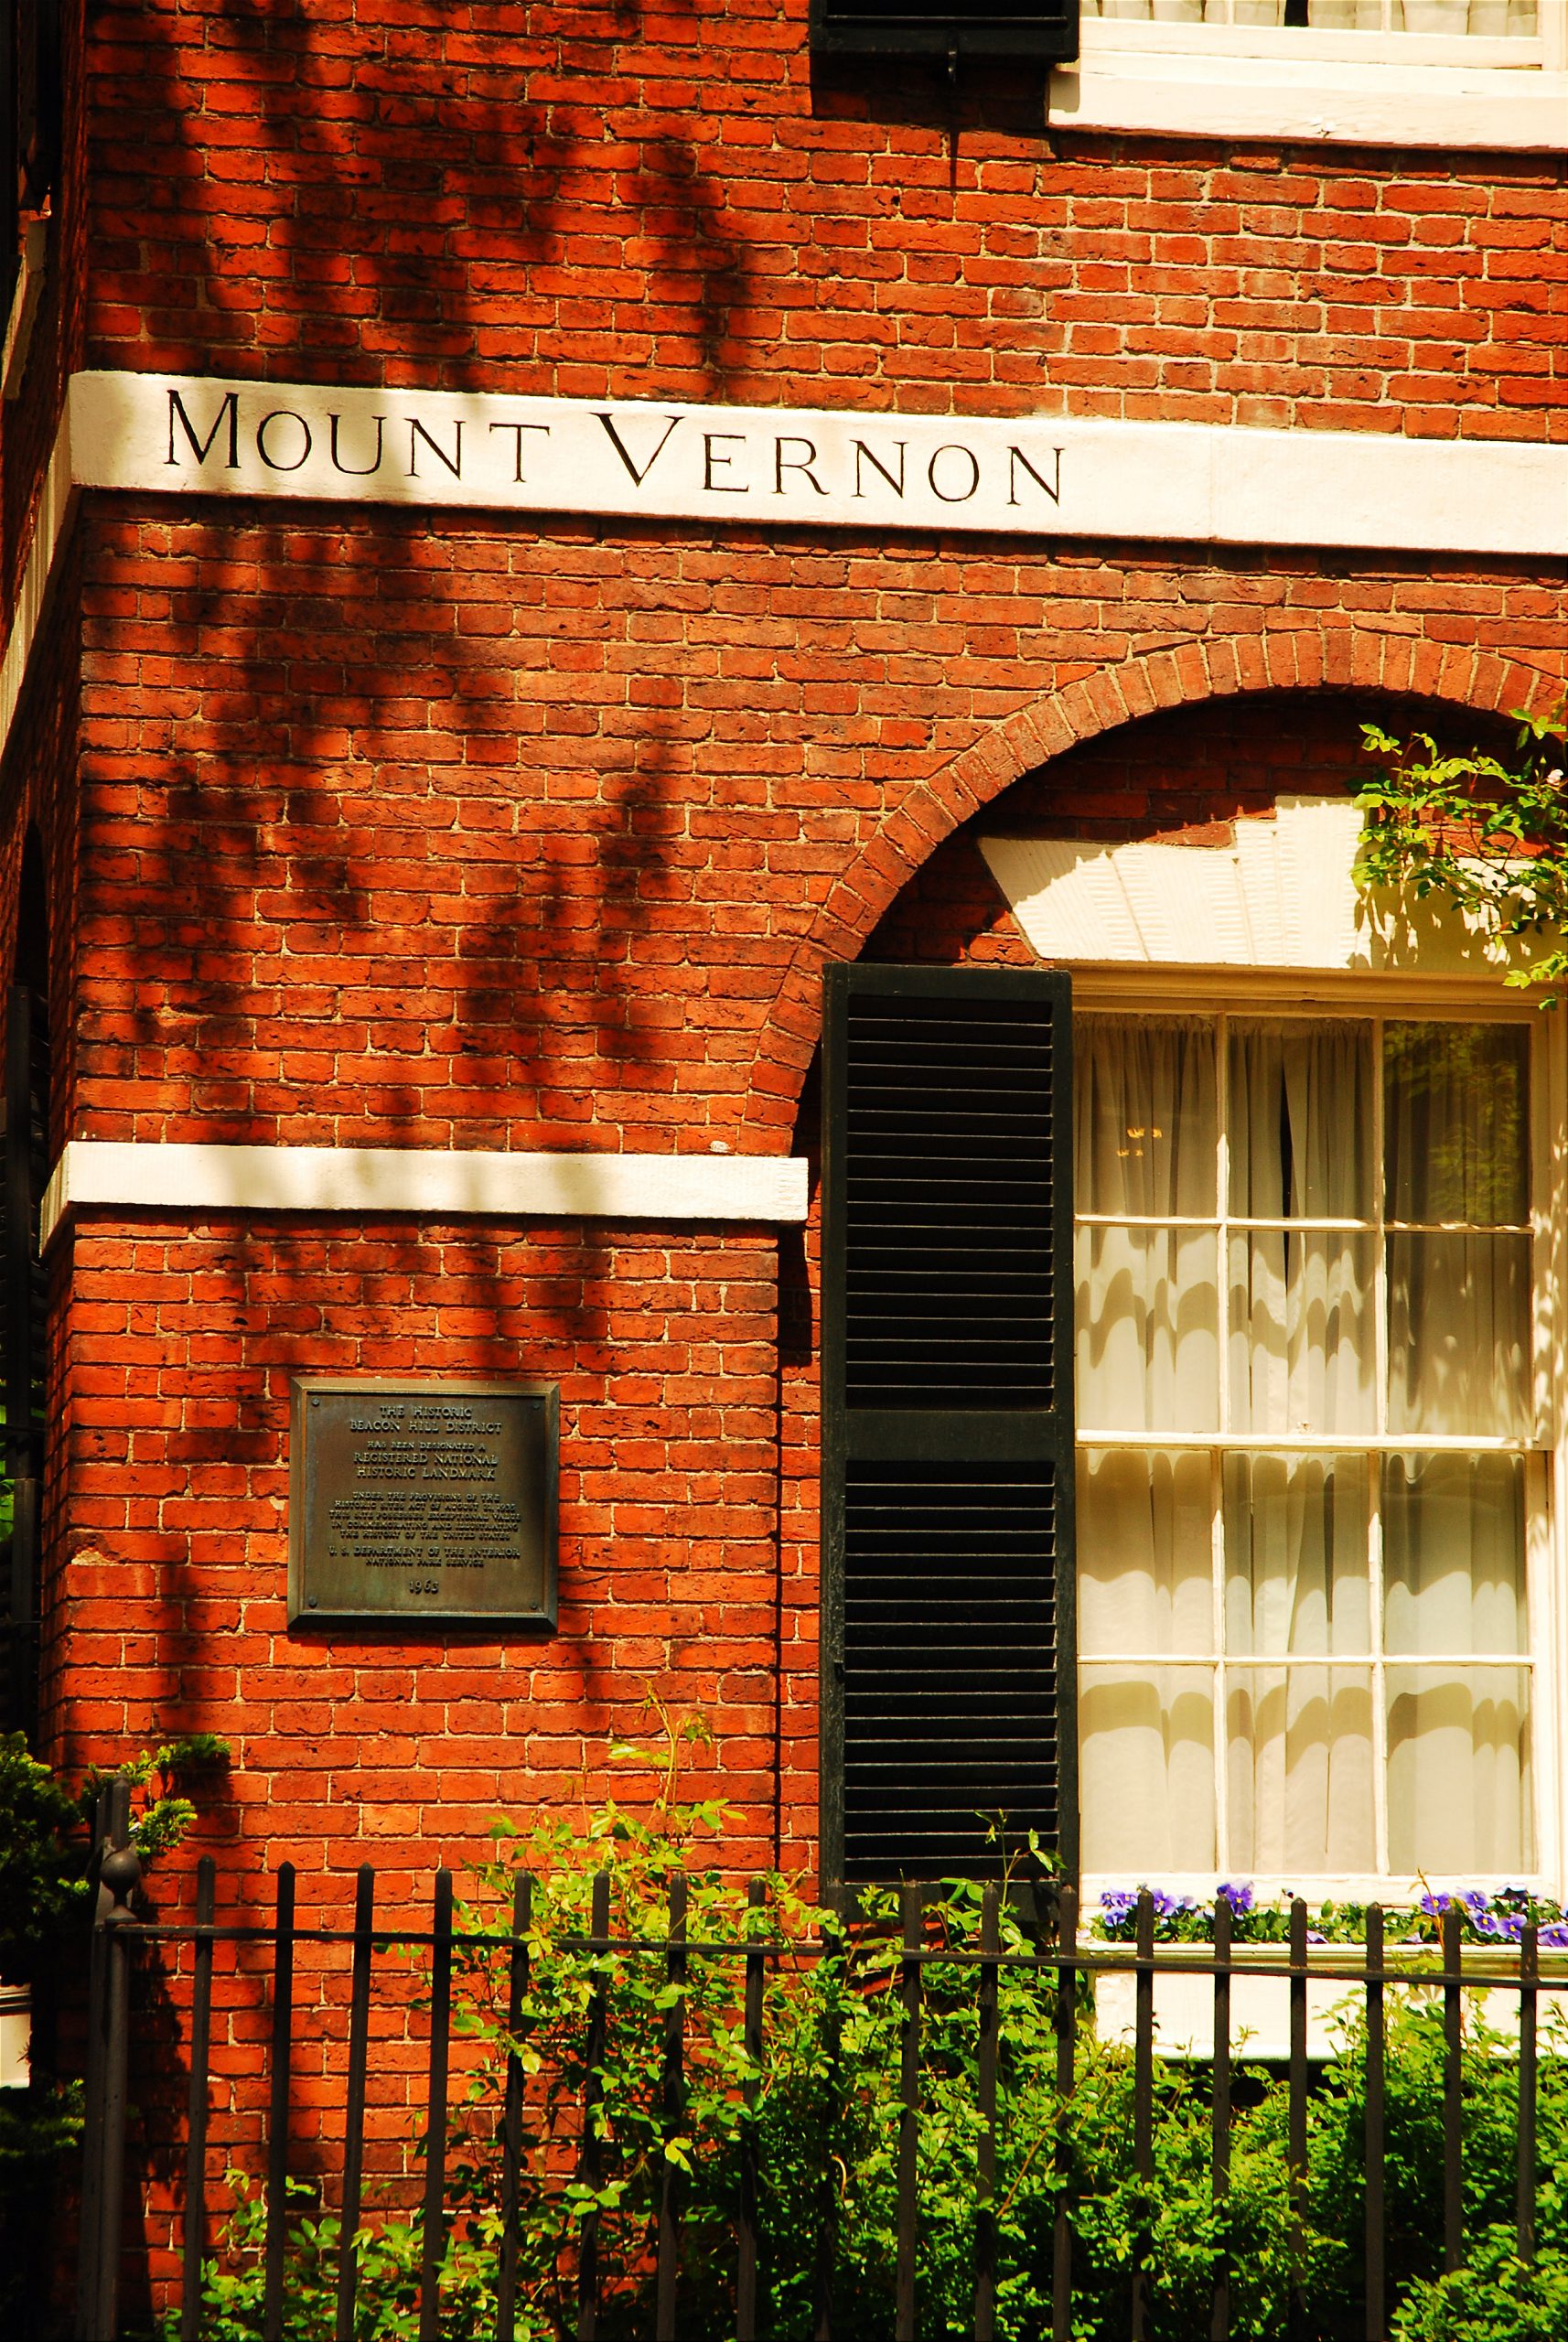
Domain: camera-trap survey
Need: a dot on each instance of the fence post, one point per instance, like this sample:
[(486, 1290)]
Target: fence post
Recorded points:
[(1376, 2282), (119, 1871), (912, 1904), (671, 2112), (1220, 2144), (589, 2160), (1299, 2314), (1143, 2107), (989, 2014), (1452, 2093), (1529, 1992), (278, 2107), (1067, 2038), (511, 2148), (755, 1979), (195, 2237)]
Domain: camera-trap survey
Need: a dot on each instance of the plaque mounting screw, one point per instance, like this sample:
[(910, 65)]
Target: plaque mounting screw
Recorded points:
[(310, 1601)]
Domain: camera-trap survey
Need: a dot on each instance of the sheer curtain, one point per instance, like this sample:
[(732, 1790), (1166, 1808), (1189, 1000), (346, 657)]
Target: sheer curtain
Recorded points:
[(1148, 1339), (1237, 1584), (1456, 1125)]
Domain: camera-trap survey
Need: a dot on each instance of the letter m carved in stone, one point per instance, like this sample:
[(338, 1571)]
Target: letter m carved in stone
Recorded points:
[(202, 448)]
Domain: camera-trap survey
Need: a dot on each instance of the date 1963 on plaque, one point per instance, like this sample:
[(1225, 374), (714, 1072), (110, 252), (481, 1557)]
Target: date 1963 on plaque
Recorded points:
[(415, 1502)]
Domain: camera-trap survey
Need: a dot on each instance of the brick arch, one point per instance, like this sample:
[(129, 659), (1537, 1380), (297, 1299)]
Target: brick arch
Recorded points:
[(924, 818)]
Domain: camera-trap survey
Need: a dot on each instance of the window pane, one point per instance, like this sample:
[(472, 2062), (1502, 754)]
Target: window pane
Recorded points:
[(1460, 1771), (1496, 17), (1301, 1121), (1295, 1554), (1146, 1131), (1457, 1123), (1147, 1769), (1459, 1335), (1300, 1759), (1145, 1552), (1303, 1357), (1148, 1347), (1453, 1554)]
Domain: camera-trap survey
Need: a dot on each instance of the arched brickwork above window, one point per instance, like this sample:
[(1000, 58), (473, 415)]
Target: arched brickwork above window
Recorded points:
[(1339, 661)]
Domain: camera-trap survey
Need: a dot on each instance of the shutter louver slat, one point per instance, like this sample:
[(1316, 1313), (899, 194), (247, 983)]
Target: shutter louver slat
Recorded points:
[(948, 1487), (950, 1657)]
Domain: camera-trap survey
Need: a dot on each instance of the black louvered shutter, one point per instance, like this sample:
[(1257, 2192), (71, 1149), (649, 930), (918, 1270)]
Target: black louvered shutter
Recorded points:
[(1041, 31), (949, 1682)]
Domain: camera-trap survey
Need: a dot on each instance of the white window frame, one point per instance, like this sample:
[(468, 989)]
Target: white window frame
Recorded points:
[(1233, 82), (1259, 991)]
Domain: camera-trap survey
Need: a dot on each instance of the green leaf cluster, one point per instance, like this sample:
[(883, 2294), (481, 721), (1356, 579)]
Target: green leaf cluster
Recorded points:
[(822, 2107), (45, 1832), (1487, 837)]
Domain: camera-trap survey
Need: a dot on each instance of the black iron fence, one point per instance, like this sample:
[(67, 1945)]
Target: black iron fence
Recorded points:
[(1070, 1968)]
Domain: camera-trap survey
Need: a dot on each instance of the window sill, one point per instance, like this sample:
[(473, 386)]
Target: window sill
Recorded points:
[(1301, 93), (1260, 2007)]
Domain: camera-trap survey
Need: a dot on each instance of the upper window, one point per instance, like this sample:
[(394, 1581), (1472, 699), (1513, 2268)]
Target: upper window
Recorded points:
[(1447, 73), (1475, 18), (1313, 1486)]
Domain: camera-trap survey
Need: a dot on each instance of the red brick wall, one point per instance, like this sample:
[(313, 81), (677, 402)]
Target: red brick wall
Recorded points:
[(393, 828), (466, 835), (659, 202), (349, 1747)]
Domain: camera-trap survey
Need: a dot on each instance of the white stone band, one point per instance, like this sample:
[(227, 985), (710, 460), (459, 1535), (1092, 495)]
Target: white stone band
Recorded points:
[(1036, 477), (436, 1184)]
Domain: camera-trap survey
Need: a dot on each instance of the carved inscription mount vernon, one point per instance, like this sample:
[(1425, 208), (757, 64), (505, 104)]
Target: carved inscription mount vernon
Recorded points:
[(1039, 476), (415, 1501)]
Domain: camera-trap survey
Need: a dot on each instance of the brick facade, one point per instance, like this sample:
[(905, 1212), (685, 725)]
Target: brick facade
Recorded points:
[(401, 829)]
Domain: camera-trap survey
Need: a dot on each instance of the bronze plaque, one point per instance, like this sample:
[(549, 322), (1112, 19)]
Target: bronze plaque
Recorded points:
[(413, 1501)]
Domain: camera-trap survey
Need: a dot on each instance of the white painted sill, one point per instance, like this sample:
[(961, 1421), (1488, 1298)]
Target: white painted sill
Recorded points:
[(1343, 88), (1260, 2005)]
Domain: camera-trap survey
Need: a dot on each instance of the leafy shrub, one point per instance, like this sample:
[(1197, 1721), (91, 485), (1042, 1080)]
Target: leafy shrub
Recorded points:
[(45, 1834), (822, 2108), (1495, 2297)]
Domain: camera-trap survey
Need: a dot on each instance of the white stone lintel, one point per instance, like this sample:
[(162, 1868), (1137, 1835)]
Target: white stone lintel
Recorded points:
[(1041, 478), (433, 1183)]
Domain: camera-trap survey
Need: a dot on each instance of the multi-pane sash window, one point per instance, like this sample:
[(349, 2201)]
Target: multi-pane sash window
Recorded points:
[(1309, 1454), (1498, 19)]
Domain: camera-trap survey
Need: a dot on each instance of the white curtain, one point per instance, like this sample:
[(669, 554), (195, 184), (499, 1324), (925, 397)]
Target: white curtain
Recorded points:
[(1289, 1578), (1455, 1113), (1303, 1357), (1494, 17), (1458, 1738), (1146, 1145), (1147, 1735), (1299, 1738)]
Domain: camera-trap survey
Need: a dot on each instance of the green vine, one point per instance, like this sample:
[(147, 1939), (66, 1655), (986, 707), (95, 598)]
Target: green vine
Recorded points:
[(45, 1838), (1489, 838)]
